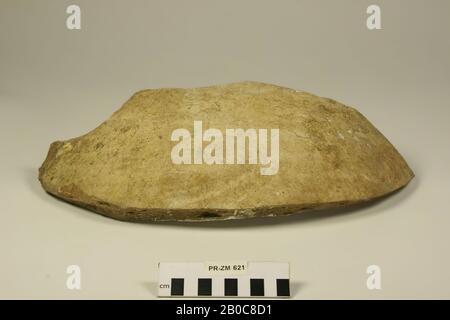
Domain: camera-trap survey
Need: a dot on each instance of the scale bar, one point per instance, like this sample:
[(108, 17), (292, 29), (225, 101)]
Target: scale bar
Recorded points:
[(261, 279)]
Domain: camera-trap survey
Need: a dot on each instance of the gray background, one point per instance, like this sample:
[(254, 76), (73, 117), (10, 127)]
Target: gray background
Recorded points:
[(57, 84)]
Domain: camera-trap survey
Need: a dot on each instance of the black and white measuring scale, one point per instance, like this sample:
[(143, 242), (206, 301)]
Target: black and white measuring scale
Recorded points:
[(224, 279)]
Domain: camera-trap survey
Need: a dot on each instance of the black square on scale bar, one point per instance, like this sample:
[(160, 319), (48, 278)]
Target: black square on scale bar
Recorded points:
[(204, 286), (257, 287), (283, 288), (231, 287), (177, 287)]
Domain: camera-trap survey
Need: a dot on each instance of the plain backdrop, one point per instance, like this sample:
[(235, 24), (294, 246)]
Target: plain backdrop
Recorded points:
[(57, 84)]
